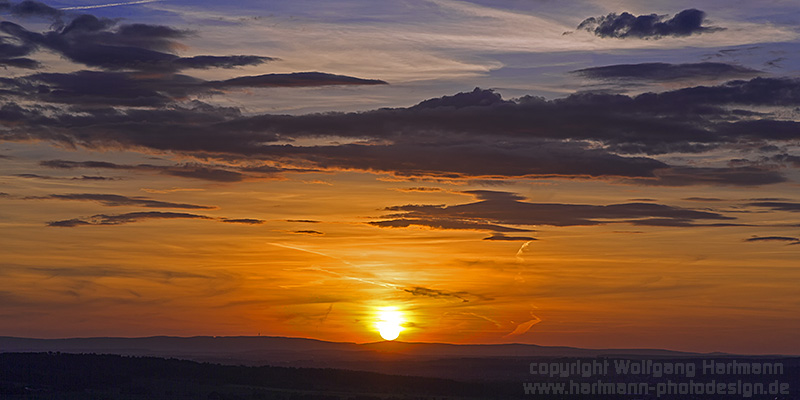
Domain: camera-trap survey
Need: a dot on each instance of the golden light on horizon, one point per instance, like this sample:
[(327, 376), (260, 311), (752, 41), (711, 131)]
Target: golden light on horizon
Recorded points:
[(390, 323)]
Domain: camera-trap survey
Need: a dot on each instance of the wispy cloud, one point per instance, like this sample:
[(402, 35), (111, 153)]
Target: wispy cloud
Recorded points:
[(119, 219), (115, 200), (94, 6), (498, 209), (524, 327), (785, 239)]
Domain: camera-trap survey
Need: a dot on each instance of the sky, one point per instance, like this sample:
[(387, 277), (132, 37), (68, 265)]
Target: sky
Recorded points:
[(597, 173)]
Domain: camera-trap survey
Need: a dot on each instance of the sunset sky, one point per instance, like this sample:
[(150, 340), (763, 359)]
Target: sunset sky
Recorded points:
[(592, 173)]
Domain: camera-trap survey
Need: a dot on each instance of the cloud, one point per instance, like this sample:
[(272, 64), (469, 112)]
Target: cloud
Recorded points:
[(297, 79), (184, 171), (787, 159), (702, 199), (29, 8), (437, 294), (93, 271), (469, 136), (501, 237), (524, 327), (652, 26), (495, 210), (33, 176), (791, 240), (140, 89), (442, 223), (777, 206), (468, 160), (98, 42), (113, 200), (247, 221), (305, 221), (308, 232), (20, 62), (104, 219), (736, 176), (77, 178), (419, 189), (663, 72)]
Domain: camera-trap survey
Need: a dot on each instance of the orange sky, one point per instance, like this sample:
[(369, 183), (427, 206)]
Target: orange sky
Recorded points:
[(316, 268)]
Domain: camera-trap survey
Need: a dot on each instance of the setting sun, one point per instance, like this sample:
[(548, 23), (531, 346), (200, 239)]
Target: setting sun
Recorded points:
[(389, 323)]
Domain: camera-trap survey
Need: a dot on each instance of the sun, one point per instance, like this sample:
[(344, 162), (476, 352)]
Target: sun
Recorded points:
[(390, 323)]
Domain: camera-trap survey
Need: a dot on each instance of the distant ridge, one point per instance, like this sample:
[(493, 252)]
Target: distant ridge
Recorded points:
[(441, 360), (279, 344)]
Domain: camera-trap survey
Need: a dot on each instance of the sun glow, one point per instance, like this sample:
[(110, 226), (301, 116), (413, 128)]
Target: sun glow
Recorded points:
[(390, 323)]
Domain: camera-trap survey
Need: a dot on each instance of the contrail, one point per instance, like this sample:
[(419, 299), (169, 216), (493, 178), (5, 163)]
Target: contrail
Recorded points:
[(524, 327), (355, 278), (127, 3), (312, 252), (522, 250)]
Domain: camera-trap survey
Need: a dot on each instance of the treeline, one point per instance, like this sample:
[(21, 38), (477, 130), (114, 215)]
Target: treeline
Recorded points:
[(87, 376)]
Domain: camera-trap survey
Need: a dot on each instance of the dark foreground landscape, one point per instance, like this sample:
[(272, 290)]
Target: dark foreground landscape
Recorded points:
[(76, 369)]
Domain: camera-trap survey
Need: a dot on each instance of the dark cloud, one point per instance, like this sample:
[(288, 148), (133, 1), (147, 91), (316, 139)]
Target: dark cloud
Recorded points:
[(420, 189), (678, 223), (248, 221), (79, 178), (204, 173), (297, 79), (422, 291), (105, 88), (145, 89), (308, 232), (94, 178), (29, 8), (444, 223), (33, 176), (104, 219), (185, 171), (119, 219), (787, 159), (702, 199), (495, 211), (63, 164), (21, 62), (757, 91), (493, 195), (737, 176), (69, 223), (468, 136), (791, 240), (504, 238), (652, 26), (777, 206), (465, 160), (443, 294), (476, 98), (98, 42), (114, 200), (206, 62), (139, 62), (668, 72), (305, 221)]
